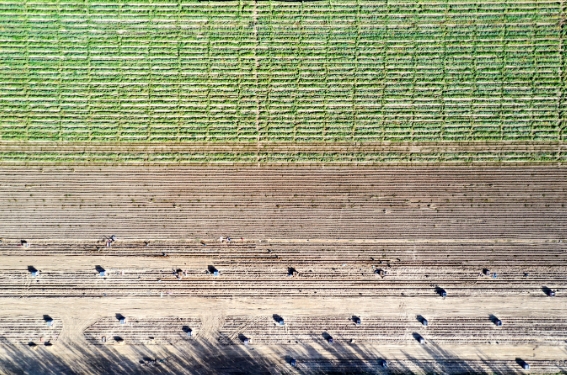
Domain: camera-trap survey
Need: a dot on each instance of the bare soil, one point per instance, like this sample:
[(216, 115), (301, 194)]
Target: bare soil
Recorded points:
[(375, 243)]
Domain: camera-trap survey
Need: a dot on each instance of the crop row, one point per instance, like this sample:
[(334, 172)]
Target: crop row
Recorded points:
[(315, 156), (448, 330), (26, 330), (270, 71), (131, 331)]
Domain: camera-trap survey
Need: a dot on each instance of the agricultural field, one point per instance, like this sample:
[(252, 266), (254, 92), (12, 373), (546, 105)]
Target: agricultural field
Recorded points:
[(283, 187), (278, 72), (461, 247)]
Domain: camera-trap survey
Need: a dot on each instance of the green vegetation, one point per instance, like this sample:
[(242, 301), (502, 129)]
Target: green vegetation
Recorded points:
[(336, 157), (274, 71)]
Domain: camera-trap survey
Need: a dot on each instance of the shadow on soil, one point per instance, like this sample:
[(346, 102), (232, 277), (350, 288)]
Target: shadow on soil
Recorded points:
[(204, 357)]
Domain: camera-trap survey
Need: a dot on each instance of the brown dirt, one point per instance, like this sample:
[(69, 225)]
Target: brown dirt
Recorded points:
[(426, 227)]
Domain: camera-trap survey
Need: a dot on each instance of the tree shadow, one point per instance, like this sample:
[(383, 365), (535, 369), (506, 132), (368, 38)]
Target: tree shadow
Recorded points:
[(328, 338), (422, 320), (417, 337), (119, 317), (278, 319), (440, 291), (202, 356), (548, 291)]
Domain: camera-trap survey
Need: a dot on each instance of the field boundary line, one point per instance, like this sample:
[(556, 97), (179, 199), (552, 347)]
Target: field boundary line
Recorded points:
[(255, 153), (411, 147)]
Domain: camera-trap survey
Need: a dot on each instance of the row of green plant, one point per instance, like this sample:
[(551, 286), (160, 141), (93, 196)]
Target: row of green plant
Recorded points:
[(279, 158), (331, 70)]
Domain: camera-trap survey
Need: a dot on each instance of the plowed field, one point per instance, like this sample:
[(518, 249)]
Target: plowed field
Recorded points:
[(318, 247)]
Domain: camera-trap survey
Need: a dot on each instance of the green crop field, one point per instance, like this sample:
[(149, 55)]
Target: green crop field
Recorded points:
[(275, 71)]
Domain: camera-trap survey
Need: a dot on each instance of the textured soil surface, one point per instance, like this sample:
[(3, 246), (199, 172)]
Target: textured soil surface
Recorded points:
[(317, 247)]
